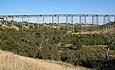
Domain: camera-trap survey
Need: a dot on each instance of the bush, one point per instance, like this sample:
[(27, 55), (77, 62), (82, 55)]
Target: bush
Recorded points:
[(112, 47)]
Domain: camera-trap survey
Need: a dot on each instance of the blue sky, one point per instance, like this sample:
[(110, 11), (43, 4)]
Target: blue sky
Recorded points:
[(57, 6)]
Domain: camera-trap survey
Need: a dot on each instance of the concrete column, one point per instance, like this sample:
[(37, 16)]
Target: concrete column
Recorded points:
[(85, 22), (38, 23), (52, 21), (28, 22), (80, 23), (58, 23), (12, 20), (80, 19), (43, 20), (108, 19), (6, 20), (92, 19), (67, 23), (55, 20), (84, 19), (97, 22), (93, 22), (72, 21), (22, 22), (104, 19), (104, 22)]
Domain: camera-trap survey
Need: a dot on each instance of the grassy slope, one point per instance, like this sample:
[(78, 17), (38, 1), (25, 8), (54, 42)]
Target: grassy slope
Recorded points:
[(110, 29), (10, 61)]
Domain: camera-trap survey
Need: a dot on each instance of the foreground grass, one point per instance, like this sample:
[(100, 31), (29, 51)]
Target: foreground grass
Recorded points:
[(10, 61)]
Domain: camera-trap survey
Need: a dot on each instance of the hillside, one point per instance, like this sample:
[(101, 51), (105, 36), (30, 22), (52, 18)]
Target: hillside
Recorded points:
[(51, 44), (10, 61)]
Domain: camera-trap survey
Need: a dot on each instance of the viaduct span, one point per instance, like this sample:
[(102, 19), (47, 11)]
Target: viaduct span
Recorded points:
[(69, 18)]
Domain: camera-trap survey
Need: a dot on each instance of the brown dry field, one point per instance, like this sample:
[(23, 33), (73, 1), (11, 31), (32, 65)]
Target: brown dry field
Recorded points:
[(10, 61)]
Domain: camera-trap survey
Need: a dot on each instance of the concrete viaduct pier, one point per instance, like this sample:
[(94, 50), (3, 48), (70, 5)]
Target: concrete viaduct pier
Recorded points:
[(70, 19)]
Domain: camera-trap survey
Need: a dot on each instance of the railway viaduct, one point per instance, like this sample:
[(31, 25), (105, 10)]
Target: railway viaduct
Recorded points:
[(70, 18)]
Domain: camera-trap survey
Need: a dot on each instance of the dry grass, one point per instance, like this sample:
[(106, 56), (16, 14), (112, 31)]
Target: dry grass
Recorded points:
[(13, 26), (10, 61)]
